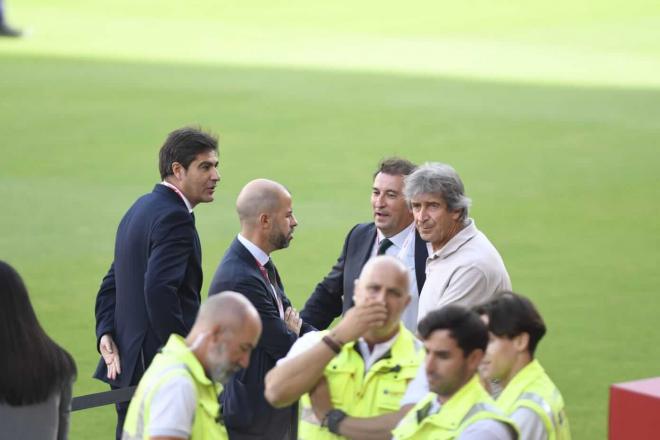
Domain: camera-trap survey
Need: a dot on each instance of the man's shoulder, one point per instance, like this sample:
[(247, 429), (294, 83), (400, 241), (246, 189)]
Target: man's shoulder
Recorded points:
[(235, 268), (477, 244), (362, 228), (489, 429), (361, 231), (173, 407), (481, 255), (159, 203), (475, 250), (182, 383), (236, 255), (409, 337)]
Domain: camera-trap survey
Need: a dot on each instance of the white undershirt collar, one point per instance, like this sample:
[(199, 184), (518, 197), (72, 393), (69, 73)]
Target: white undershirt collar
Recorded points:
[(399, 239), (255, 250), (180, 193), (372, 356)]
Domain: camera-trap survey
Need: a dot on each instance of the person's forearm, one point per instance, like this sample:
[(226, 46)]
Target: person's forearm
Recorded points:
[(293, 377), (371, 428), (105, 305)]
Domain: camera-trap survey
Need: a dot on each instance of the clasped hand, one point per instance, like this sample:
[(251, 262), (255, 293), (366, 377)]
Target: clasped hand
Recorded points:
[(293, 320)]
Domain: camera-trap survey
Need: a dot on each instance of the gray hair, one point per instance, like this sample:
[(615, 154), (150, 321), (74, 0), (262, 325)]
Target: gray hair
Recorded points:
[(438, 178)]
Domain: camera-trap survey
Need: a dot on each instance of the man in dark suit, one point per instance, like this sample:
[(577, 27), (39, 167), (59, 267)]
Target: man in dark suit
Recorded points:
[(267, 224), (5, 29), (153, 286), (391, 233)]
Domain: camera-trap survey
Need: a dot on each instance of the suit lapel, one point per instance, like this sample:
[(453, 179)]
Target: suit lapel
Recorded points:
[(197, 245), (421, 254), (280, 288), (251, 263), (365, 252), (361, 246), (174, 198)]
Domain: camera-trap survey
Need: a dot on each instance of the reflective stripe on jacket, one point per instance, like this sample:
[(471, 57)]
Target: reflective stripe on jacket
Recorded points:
[(176, 360), (469, 405), (360, 394), (532, 388)]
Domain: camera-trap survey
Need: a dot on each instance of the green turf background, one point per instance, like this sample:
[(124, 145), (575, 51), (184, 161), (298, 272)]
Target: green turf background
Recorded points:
[(549, 111)]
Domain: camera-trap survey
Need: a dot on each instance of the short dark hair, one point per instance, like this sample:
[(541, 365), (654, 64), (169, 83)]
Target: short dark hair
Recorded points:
[(395, 166), (464, 325), (510, 314), (183, 146), (33, 366)]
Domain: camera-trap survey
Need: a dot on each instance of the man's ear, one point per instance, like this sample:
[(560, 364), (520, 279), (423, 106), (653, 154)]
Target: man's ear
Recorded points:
[(474, 359), (521, 342), (264, 220), (216, 332), (178, 170)]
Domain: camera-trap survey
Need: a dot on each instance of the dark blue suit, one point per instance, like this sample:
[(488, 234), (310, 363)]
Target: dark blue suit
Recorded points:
[(246, 413), (334, 295), (153, 286)]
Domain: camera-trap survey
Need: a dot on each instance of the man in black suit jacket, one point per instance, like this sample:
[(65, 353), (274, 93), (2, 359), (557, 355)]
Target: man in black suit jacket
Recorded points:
[(267, 224), (153, 286), (392, 233)]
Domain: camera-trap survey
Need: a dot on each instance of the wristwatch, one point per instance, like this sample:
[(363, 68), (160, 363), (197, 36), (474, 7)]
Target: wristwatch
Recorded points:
[(333, 419)]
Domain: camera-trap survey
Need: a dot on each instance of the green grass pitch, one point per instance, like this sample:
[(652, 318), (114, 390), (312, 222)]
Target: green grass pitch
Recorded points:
[(549, 111)]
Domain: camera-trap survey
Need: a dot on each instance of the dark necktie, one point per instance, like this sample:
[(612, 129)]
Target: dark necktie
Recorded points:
[(384, 245), (272, 276)]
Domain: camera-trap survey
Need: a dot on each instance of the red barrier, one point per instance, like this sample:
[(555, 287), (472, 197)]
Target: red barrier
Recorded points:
[(635, 410)]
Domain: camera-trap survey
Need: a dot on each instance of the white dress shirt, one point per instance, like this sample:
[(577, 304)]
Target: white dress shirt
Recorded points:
[(179, 193), (262, 258), (403, 248)]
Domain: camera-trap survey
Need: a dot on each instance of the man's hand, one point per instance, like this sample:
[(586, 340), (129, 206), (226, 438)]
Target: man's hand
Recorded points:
[(293, 320), (360, 318), (110, 354)]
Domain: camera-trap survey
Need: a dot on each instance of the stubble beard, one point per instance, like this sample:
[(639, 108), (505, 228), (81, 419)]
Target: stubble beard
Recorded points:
[(279, 241)]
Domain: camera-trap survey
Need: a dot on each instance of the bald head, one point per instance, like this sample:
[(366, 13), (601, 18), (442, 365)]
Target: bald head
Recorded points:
[(382, 264), (265, 210), (260, 196), (226, 330), (229, 310)]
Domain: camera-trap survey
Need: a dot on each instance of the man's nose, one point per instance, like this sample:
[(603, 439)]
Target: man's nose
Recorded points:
[(421, 214), (428, 364), (379, 295), (215, 175)]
